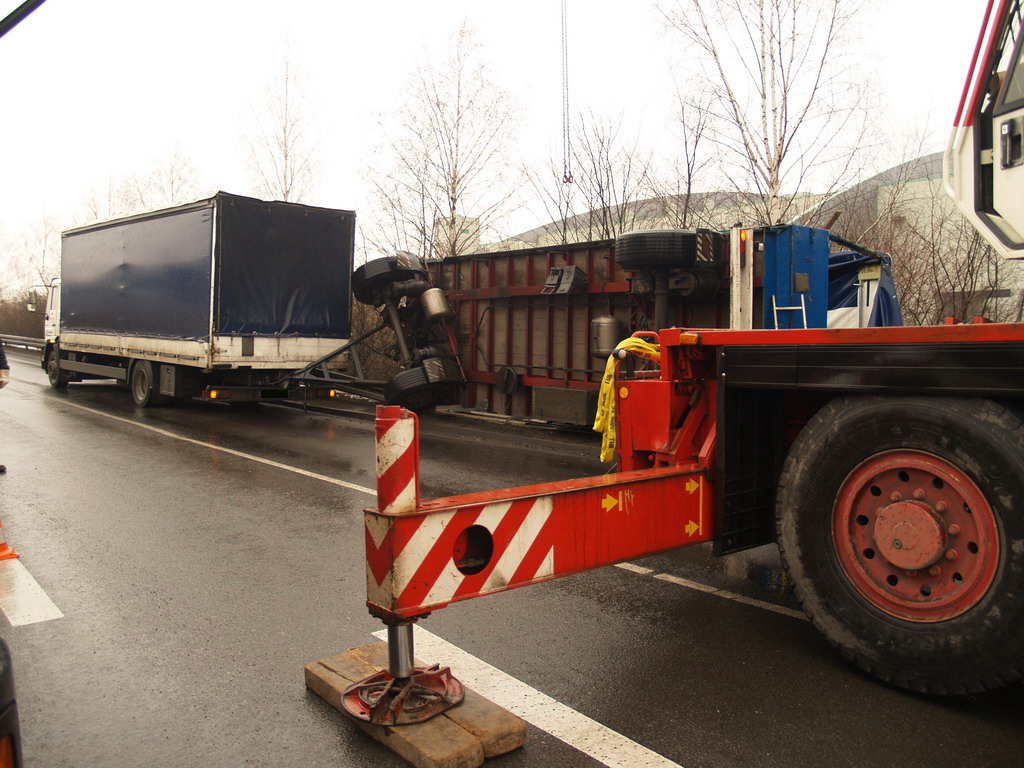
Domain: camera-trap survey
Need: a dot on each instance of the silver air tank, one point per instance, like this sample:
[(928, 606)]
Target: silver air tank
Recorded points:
[(435, 306), (605, 333)]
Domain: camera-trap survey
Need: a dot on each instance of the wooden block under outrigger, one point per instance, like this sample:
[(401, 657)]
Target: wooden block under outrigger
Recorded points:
[(461, 737)]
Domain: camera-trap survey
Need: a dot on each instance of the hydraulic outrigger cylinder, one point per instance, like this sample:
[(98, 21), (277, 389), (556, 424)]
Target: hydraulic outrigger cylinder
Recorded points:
[(403, 693)]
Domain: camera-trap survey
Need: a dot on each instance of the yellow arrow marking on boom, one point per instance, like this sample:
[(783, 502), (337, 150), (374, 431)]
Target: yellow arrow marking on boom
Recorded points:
[(691, 486), (610, 502)]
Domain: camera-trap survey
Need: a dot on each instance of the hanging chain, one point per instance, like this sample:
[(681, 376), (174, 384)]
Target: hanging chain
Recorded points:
[(566, 142)]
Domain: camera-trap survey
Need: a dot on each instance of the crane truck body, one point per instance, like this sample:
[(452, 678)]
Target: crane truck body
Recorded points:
[(886, 463)]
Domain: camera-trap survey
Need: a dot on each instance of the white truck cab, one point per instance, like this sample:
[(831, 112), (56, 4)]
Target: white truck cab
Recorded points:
[(50, 296), (984, 159)]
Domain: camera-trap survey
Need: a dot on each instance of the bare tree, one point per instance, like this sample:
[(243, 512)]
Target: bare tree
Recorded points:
[(552, 201), (941, 266), (42, 247), (948, 270), (448, 182), (782, 98), (613, 174), (109, 199), (862, 212), (610, 186), (282, 152), (680, 206), (171, 180), (37, 256)]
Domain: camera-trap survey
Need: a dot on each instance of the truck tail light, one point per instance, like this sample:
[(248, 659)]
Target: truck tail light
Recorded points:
[(7, 752)]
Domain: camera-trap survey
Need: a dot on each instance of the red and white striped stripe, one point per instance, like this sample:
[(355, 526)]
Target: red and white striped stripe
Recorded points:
[(423, 556), (423, 571), (397, 460)]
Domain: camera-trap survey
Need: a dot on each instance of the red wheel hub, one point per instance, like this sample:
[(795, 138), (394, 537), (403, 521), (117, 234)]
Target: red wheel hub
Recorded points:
[(915, 536), (910, 535)]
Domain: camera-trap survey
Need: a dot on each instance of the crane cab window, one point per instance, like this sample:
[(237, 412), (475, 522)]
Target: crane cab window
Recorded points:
[(1009, 64)]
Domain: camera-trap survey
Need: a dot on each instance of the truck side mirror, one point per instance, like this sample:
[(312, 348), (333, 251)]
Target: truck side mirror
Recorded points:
[(33, 297)]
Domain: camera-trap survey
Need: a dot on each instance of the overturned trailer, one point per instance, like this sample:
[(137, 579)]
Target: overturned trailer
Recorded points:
[(534, 327)]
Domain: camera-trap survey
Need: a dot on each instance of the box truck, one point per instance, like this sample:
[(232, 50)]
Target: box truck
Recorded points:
[(225, 298)]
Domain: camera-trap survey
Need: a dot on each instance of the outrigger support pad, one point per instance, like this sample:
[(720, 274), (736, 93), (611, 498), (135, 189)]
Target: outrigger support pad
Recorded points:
[(403, 694)]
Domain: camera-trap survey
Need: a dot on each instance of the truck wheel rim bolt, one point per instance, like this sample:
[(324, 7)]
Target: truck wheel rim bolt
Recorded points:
[(928, 555)]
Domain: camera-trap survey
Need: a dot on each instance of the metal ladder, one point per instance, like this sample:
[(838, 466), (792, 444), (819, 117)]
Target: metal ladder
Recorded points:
[(802, 308)]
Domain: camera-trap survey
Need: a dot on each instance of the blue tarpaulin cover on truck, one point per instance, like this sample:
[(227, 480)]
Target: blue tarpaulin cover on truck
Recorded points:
[(262, 268), (143, 276), (283, 269), (844, 288)]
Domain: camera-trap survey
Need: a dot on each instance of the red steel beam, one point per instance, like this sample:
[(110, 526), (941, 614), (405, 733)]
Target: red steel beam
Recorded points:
[(935, 334), (462, 547)]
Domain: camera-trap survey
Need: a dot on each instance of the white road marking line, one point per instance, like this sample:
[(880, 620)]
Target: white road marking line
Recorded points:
[(731, 596), (371, 492), (603, 744), (231, 451), (634, 568), (22, 600), (680, 581), (793, 614)]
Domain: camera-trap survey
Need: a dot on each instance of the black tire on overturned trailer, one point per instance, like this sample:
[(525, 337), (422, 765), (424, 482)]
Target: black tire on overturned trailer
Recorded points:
[(422, 387), (371, 281)]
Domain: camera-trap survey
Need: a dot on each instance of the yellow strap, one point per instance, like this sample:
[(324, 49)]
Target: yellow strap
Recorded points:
[(604, 422)]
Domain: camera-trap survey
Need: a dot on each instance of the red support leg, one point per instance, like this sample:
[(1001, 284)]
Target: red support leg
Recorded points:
[(403, 694)]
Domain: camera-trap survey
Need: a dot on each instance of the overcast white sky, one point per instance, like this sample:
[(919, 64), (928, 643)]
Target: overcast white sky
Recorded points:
[(104, 87)]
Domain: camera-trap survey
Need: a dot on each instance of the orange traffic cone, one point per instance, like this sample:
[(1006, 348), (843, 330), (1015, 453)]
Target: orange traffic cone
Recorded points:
[(6, 552)]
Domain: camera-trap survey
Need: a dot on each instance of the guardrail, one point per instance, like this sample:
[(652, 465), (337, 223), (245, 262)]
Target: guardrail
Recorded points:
[(22, 341)]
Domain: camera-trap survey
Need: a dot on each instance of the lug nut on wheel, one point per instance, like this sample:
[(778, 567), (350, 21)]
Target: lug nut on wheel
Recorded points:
[(952, 554)]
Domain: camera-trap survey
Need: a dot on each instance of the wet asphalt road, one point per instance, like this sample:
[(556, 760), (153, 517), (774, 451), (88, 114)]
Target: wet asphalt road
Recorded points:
[(196, 584)]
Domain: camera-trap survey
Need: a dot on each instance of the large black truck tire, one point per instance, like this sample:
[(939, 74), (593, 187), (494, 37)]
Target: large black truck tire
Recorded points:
[(658, 249), (58, 379), (901, 523), (144, 386), (424, 386), (370, 281)]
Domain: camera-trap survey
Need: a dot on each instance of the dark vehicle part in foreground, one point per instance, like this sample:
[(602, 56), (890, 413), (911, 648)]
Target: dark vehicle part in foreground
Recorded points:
[(10, 726)]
